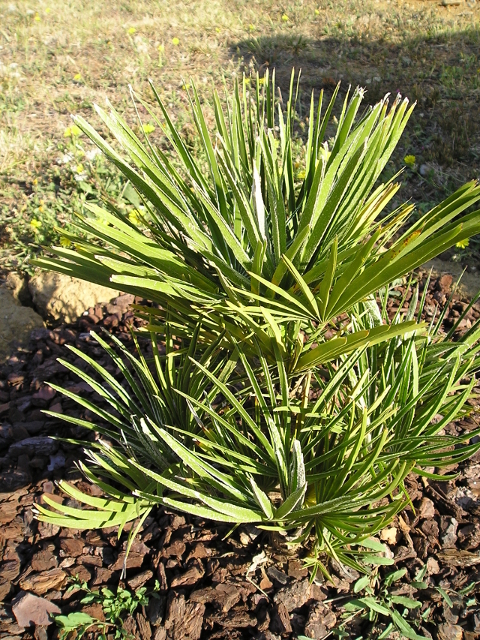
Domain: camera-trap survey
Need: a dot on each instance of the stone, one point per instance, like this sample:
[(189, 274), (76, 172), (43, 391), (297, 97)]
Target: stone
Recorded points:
[(426, 509), (449, 536), (18, 286), (61, 298), (31, 610), (38, 445), (389, 535), (16, 324), (277, 576)]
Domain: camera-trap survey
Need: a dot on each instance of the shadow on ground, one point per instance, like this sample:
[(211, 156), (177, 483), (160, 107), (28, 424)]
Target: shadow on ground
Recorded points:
[(441, 73)]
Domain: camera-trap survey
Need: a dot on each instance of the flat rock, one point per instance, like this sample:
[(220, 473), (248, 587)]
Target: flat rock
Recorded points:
[(16, 324), (38, 445), (62, 298), (31, 610)]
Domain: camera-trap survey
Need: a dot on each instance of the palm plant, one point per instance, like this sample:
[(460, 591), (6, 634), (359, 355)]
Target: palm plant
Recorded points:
[(239, 239), (255, 412)]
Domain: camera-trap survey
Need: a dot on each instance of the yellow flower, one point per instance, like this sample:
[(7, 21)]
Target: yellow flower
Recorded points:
[(65, 242), (148, 128), (285, 17), (48, 10), (79, 168), (35, 181), (317, 12), (409, 160), (261, 81), (37, 18), (35, 224), (73, 131), (217, 29), (131, 31), (175, 41), (77, 77), (463, 244), (251, 27), (161, 48), (41, 208), (134, 216)]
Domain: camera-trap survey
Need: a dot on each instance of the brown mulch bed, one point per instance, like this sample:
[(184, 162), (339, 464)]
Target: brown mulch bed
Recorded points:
[(209, 585)]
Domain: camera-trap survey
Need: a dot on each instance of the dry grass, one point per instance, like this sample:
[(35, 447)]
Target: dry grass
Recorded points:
[(58, 58)]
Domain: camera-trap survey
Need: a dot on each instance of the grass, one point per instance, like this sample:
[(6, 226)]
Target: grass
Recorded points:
[(57, 59)]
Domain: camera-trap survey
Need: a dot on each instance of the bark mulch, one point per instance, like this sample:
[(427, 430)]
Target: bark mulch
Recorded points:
[(208, 584)]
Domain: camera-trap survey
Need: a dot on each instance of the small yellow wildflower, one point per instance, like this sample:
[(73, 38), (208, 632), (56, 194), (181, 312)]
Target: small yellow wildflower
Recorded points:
[(409, 160), (65, 242), (285, 17), (217, 29), (131, 31), (79, 168), (134, 216), (161, 48), (148, 128), (317, 12), (35, 182), (301, 175), (36, 224), (37, 18), (41, 208), (77, 77), (261, 81), (251, 27), (175, 42), (463, 244), (48, 10), (72, 132)]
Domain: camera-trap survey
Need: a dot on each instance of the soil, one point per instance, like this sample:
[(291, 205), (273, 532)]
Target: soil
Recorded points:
[(209, 584)]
